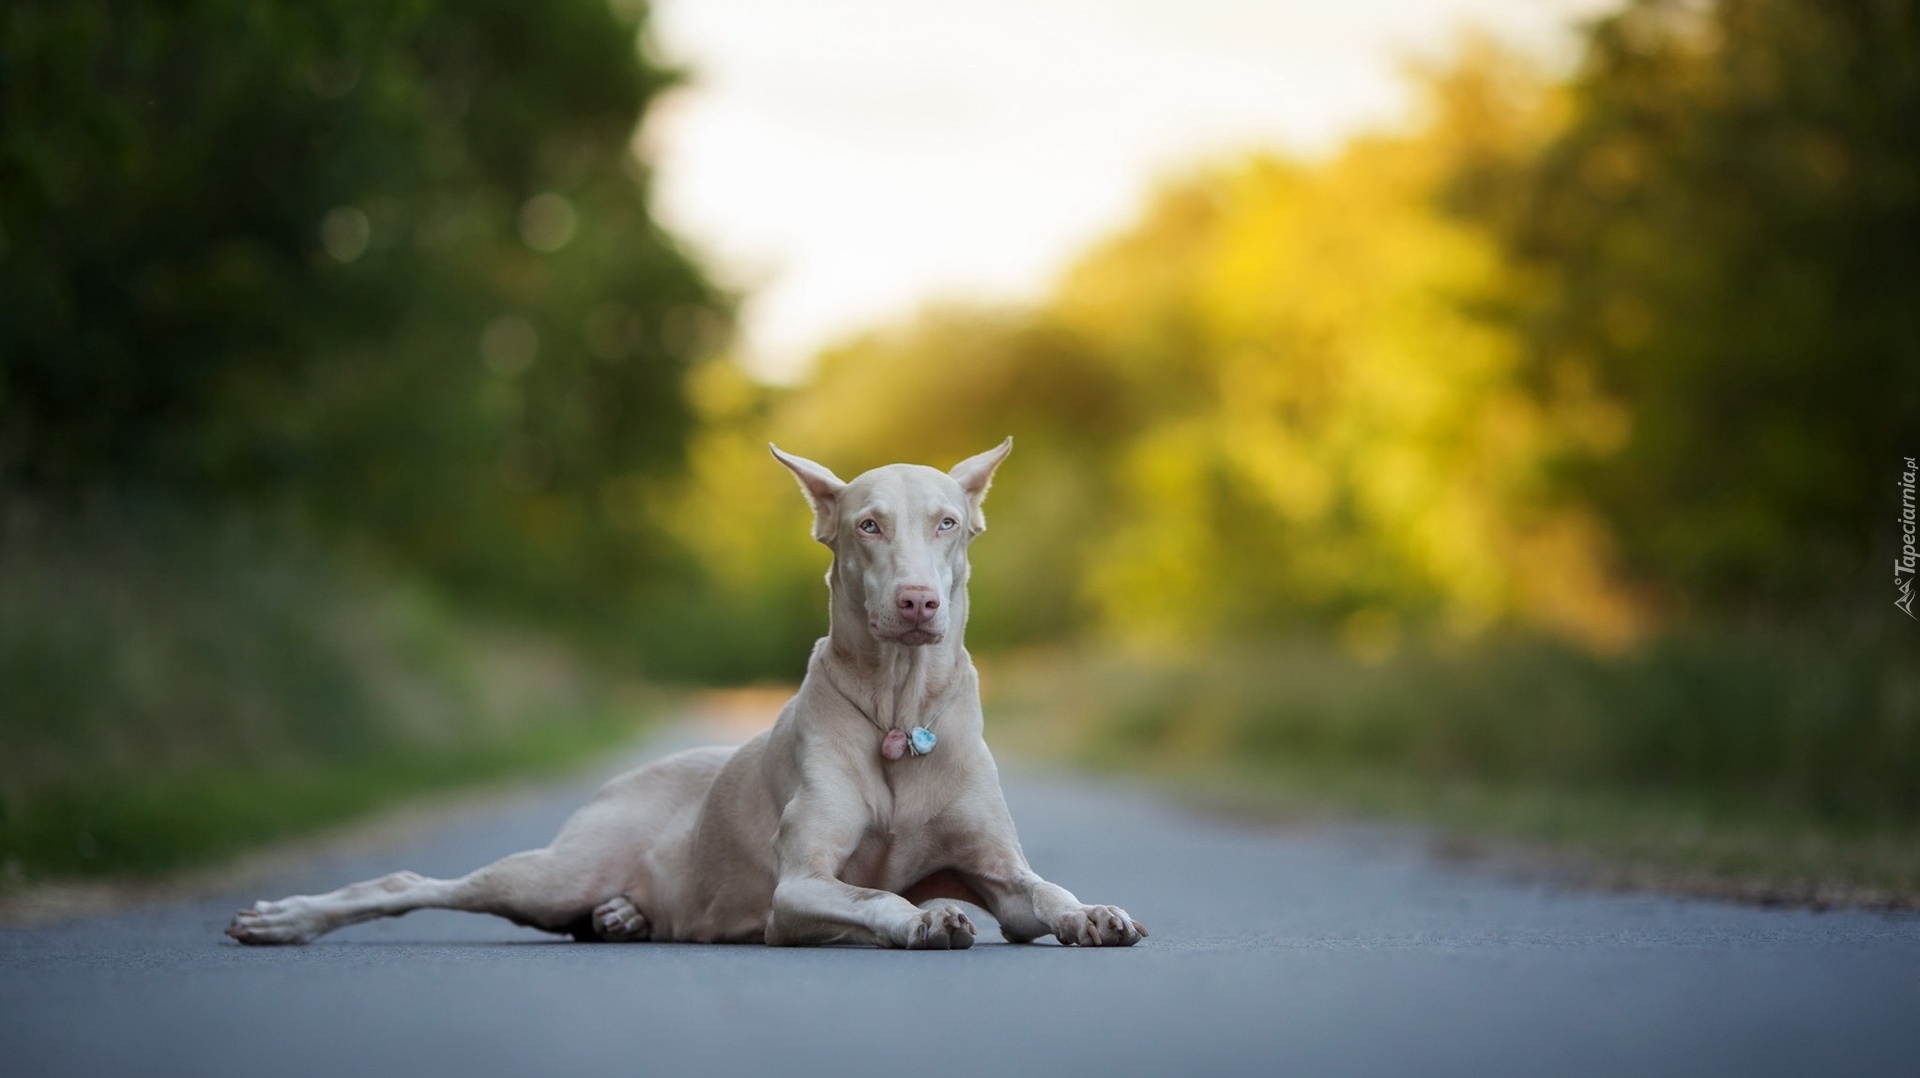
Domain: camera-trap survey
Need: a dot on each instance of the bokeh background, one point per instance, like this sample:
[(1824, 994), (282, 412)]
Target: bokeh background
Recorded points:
[(1491, 411)]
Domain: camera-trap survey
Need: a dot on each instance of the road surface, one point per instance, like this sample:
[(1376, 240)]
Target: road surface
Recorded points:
[(1337, 949)]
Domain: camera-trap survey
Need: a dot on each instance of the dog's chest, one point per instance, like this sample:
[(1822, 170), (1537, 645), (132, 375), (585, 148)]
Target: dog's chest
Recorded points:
[(889, 861), (900, 845)]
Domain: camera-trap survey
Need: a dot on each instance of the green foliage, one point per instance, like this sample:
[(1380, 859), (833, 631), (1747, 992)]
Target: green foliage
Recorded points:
[(388, 269), (1793, 724), (179, 687), (1726, 237)]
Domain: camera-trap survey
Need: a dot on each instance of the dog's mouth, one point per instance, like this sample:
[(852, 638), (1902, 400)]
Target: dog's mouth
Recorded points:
[(913, 638)]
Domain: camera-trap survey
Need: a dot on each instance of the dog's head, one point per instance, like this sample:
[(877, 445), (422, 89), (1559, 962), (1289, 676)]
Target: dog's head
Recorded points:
[(899, 537)]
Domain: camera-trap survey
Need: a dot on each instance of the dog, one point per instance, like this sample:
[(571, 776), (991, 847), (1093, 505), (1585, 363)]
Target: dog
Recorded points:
[(869, 807)]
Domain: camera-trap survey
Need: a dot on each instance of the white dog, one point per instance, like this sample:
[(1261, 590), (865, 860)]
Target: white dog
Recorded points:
[(872, 793)]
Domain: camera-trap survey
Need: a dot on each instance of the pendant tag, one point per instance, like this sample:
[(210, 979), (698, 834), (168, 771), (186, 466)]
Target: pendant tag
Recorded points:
[(921, 741), (894, 745)]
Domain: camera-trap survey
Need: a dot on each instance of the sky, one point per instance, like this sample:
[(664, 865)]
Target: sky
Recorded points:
[(843, 163)]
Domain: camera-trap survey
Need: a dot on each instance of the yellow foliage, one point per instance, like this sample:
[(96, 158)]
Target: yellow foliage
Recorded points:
[(1272, 402), (736, 511), (1152, 576), (1337, 427)]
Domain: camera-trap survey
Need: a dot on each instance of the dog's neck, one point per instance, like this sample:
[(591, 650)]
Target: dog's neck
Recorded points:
[(899, 686)]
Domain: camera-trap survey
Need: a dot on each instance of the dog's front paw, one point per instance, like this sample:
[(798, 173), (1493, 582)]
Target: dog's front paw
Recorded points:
[(942, 928), (1099, 926)]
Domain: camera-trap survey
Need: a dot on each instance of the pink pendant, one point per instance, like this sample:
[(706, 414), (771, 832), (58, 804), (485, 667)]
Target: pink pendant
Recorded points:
[(895, 744)]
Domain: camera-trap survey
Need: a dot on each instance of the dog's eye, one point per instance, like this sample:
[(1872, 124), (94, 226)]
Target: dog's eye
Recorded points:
[(870, 526), (947, 524)]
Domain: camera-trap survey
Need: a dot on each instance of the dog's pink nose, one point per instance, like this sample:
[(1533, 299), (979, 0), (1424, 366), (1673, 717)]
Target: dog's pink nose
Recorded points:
[(917, 602)]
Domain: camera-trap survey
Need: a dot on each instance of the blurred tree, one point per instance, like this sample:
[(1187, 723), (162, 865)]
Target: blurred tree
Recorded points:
[(1724, 241), (389, 267), (1336, 434)]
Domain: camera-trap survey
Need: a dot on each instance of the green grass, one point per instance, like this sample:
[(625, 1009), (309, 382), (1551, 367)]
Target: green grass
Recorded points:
[(1777, 764), (179, 689)]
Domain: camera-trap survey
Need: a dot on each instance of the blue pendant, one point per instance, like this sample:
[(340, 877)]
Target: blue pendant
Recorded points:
[(920, 740)]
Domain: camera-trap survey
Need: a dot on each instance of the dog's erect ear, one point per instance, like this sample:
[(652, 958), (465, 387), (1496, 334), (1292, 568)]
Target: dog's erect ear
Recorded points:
[(975, 475), (822, 488)]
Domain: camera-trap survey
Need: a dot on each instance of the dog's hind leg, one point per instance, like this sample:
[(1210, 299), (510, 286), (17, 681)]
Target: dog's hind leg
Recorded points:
[(589, 882), (537, 888), (300, 918)]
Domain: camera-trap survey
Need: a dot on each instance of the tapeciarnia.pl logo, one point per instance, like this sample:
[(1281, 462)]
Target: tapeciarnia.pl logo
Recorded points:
[(1903, 565)]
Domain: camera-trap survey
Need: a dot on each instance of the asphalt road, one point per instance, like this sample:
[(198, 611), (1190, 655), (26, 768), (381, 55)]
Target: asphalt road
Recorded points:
[(1330, 950)]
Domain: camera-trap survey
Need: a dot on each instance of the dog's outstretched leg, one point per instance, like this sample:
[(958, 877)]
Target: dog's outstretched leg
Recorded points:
[(535, 888), (301, 918)]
